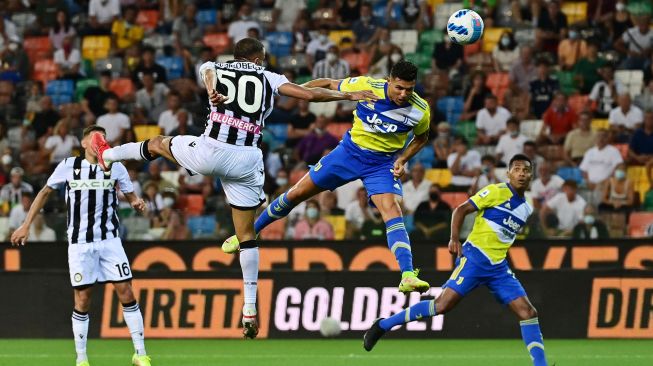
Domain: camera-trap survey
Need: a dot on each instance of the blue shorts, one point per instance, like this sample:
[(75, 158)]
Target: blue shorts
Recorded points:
[(348, 162), (472, 271)]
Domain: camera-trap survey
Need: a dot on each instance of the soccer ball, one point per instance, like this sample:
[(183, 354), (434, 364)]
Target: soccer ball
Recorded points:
[(465, 26), (330, 327)]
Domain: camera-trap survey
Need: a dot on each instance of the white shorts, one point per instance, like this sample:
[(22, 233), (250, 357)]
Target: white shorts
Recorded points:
[(100, 261), (240, 168)]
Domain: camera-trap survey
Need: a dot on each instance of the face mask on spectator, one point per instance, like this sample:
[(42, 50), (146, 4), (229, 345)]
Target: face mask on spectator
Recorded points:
[(281, 181), (485, 169), (434, 196), (573, 34), (366, 19), (331, 57), (620, 6), (322, 38), (6, 159), (505, 41), (514, 133), (395, 57), (619, 174), (589, 219), (168, 202), (312, 213)]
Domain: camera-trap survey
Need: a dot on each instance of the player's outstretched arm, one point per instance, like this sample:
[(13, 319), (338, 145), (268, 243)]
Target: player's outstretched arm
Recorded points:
[(323, 83), (320, 94), (415, 145), (19, 237), (209, 76), (457, 218), (136, 202)]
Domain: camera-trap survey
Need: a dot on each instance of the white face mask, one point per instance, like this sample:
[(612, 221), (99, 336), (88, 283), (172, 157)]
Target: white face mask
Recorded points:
[(620, 6), (312, 213), (281, 181), (395, 57), (6, 159), (168, 202), (589, 219), (505, 41), (322, 38), (331, 57)]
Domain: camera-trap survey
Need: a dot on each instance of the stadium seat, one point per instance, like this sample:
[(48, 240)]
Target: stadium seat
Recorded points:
[(571, 173), (174, 66), (524, 36), (145, 132), (37, 48), (339, 224), (280, 43), (579, 103), (359, 61), (639, 224), (326, 109), (452, 107), (531, 128), (426, 157), (44, 71), (264, 16), (441, 177), (567, 82), (454, 199), (406, 39), (467, 129), (157, 41), (633, 80), (122, 87), (498, 82), (275, 134), (275, 231), (82, 85), (113, 64), (431, 36), (148, 19), (491, 37), (23, 21), (192, 204), (219, 42), (55, 87), (575, 11), (293, 62), (471, 49), (600, 124), (206, 17), (379, 12), (137, 227), (336, 36), (444, 11), (296, 175), (338, 129), (423, 61), (202, 226), (96, 47)]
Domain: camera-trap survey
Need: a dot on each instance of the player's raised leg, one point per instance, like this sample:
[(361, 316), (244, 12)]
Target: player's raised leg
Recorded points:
[(145, 150), (530, 329), (134, 319), (398, 241), (80, 322)]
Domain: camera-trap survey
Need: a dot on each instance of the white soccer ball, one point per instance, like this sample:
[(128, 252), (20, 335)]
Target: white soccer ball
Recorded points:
[(465, 27), (330, 327)]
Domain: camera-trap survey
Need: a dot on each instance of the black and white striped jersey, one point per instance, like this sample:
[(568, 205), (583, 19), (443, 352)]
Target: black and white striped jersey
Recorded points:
[(91, 198), (250, 90)]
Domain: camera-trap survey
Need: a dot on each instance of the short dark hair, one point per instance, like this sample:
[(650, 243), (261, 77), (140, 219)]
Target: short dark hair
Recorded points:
[(93, 128), (530, 143), (149, 49), (404, 70), (26, 194), (461, 139), (570, 183), (519, 157), (489, 158), (106, 73), (513, 120), (491, 96), (248, 47)]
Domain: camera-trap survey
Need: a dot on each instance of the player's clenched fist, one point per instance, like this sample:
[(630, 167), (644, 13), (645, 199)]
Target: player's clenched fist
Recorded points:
[(216, 98), (455, 247), (138, 205), (399, 168), (19, 237)]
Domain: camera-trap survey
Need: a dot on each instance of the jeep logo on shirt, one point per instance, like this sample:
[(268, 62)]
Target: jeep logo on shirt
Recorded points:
[(379, 125), (91, 184), (511, 224)]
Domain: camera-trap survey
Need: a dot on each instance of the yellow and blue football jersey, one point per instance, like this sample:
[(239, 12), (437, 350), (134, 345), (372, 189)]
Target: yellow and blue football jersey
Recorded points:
[(501, 215), (382, 125)]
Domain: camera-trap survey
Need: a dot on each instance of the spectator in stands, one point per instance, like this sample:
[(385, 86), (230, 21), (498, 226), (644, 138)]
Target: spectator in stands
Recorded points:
[(491, 121), (317, 48), (505, 53), (551, 27), (125, 32), (636, 43), (19, 212), (154, 175), (60, 145), (647, 205), (640, 148), (559, 119), (645, 100), (45, 120), (238, 28), (432, 217), (153, 199), (530, 150), (571, 49), (590, 227), (416, 190), (587, 68), (13, 191), (286, 13), (511, 142), (300, 124), (328, 202), (619, 192), (366, 27), (546, 185), (184, 126), (46, 13), (282, 184), (357, 212), (102, 14), (168, 119), (4, 140), (332, 66), (620, 22), (524, 12), (579, 140), (474, 96), (95, 97), (14, 63), (68, 60), (151, 96), (373, 228), (311, 147), (170, 220), (605, 91), (625, 118), (522, 71), (9, 33), (148, 64), (61, 29), (447, 55), (561, 213), (413, 15), (443, 145), (486, 175), (542, 89), (312, 226), (464, 164), (382, 67), (599, 162), (185, 29), (114, 122), (39, 231), (349, 12)]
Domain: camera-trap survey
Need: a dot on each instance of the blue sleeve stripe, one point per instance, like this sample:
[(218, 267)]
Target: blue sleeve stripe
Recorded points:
[(473, 204), (340, 83)]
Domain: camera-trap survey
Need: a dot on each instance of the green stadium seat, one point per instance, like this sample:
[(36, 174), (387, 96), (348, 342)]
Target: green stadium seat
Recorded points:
[(567, 82)]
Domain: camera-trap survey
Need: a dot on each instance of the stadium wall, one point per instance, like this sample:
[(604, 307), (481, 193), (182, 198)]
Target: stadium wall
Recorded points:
[(193, 290)]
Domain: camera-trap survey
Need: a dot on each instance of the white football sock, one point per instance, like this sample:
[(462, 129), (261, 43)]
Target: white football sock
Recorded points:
[(134, 320), (249, 259), (80, 332), (128, 151)]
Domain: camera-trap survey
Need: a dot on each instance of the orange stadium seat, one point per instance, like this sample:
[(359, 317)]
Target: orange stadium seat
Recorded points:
[(148, 19), (122, 87), (219, 42), (638, 224), (471, 49), (44, 71), (296, 175), (359, 61), (37, 48), (338, 129), (623, 149), (579, 103), (454, 199), (275, 231), (192, 204)]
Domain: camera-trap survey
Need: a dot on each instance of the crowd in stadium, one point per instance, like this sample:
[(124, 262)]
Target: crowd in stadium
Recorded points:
[(570, 84)]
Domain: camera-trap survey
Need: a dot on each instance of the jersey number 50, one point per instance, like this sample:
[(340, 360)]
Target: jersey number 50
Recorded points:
[(228, 78)]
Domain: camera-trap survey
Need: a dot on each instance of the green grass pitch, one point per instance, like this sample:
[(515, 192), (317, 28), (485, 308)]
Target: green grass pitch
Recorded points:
[(330, 352)]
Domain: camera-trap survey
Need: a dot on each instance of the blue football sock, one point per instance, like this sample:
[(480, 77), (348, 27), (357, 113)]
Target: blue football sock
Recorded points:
[(530, 332), (279, 208), (399, 243), (420, 310)]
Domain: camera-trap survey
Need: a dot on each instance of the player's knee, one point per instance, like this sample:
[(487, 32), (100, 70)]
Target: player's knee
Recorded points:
[(82, 301), (527, 312), (125, 293), (442, 305)]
